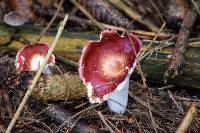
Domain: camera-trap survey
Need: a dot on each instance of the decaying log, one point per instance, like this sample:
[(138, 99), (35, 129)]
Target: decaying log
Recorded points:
[(71, 44), (52, 87), (155, 66), (70, 87)]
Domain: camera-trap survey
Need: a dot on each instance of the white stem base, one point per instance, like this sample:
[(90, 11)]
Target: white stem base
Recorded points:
[(46, 70), (118, 99)]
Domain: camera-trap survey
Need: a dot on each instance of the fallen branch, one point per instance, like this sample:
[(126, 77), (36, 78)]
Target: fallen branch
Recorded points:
[(188, 119), (60, 115), (105, 122), (134, 15), (31, 87), (51, 22), (80, 7)]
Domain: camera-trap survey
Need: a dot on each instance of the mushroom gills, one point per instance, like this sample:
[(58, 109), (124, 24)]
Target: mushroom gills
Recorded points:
[(118, 99)]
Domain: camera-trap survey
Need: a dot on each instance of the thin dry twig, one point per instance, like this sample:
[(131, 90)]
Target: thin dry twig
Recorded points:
[(145, 84), (134, 15), (114, 126), (166, 87), (31, 87), (188, 119), (138, 63), (142, 33), (179, 107), (157, 10), (186, 99), (151, 117), (161, 45), (196, 6), (80, 7), (77, 114), (51, 22), (105, 122), (155, 37)]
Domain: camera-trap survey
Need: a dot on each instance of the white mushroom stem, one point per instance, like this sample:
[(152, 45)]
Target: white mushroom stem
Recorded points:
[(36, 63), (46, 70), (118, 99)]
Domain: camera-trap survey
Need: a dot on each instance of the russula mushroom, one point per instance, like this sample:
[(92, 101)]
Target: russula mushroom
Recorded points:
[(13, 18), (106, 66), (30, 57)]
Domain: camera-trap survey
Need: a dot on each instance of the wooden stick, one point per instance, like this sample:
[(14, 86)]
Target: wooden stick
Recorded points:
[(134, 15), (150, 34), (105, 122), (31, 87), (78, 5), (51, 21), (151, 43), (60, 115), (188, 119)]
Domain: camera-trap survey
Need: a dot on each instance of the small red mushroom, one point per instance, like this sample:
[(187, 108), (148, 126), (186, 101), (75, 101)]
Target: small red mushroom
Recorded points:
[(106, 66), (30, 57)]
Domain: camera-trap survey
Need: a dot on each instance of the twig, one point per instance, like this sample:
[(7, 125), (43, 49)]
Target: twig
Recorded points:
[(145, 105), (166, 87), (31, 87), (60, 115), (179, 107), (105, 122), (155, 37), (187, 99), (144, 82), (72, 117), (195, 5), (80, 7), (138, 63), (151, 117), (162, 44), (150, 34), (161, 35), (134, 15), (157, 10), (177, 58), (51, 21), (114, 126), (6, 99), (188, 119), (2, 128)]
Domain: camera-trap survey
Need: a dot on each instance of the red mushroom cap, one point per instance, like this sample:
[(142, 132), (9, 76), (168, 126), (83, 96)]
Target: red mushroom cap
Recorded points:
[(30, 57), (106, 63)]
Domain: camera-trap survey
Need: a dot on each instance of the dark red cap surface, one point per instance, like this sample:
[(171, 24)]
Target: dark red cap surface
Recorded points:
[(104, 64), (29, 53)]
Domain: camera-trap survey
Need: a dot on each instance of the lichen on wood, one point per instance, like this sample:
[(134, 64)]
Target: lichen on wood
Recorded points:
[(59, 87)]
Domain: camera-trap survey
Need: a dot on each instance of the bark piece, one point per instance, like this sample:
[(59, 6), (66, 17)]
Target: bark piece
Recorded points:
[(178, 56)]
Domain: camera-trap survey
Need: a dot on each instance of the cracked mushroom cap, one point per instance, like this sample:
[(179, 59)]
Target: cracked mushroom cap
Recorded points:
[(107, 63), (30, 57)]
